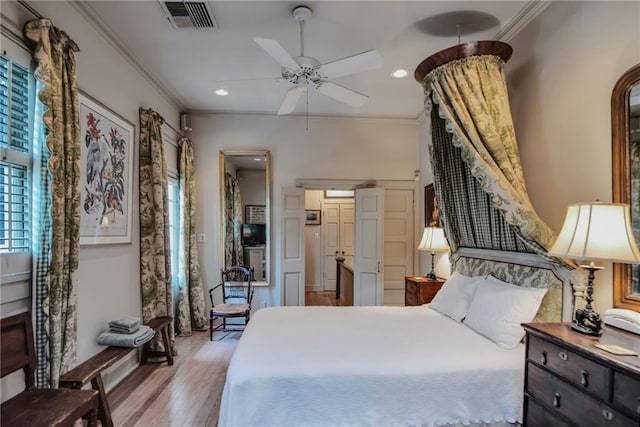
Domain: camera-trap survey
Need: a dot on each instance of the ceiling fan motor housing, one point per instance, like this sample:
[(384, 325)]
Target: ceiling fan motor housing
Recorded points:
[(301, 13)]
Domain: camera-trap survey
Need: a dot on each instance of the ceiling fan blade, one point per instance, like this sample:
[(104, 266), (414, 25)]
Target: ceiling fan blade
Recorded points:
[(291, 99), (276, 79), (277, 52), (341, 93), (364, 61)]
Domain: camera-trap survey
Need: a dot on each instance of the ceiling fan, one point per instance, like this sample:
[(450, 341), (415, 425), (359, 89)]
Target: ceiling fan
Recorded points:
[(306, 72)]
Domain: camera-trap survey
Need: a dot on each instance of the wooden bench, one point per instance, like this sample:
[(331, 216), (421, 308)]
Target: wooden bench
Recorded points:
[(37, 407), (91, 369)]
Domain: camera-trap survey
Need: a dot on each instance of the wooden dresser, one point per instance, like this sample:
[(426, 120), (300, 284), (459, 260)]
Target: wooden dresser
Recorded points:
[(569, 381), (419, 290)]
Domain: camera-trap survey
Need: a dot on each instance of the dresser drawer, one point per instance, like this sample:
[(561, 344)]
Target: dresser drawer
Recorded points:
[(537, 416), (559, 397), (626, 394), (584, 373)]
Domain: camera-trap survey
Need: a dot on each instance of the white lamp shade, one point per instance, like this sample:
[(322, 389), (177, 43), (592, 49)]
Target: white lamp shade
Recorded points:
[(597, 232), (433, 240)]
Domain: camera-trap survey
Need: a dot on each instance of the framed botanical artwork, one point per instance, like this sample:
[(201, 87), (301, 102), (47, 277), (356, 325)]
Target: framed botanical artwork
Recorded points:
[(313, 217), (106, 181), (431, 212)]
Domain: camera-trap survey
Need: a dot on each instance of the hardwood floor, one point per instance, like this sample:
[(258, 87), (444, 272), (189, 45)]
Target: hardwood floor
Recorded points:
[(185, 394), (320, 298)]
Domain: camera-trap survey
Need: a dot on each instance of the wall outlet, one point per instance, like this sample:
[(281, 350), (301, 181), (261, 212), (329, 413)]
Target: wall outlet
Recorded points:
[(263, 304), (200, 238)]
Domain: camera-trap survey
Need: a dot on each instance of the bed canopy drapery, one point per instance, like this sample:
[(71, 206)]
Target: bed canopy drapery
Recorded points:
[(476, 166)]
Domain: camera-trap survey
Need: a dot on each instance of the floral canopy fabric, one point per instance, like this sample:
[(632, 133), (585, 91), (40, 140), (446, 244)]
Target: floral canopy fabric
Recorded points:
[(474, 154)]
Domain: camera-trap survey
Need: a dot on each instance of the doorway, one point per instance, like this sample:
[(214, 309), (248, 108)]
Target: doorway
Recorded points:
[(334, 235), (328, 237)]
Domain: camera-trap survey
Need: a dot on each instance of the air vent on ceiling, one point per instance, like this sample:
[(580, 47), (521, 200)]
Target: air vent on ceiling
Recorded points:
[(189, 14)]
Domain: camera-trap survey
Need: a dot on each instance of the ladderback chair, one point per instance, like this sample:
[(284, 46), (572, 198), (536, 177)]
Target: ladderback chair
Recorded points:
[(236, 289), (34, 406)]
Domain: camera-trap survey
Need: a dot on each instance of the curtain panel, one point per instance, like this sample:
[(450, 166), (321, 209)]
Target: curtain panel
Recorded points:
[(471, 96), (56, 276), (155, 264), (232, 222), (191, 305)]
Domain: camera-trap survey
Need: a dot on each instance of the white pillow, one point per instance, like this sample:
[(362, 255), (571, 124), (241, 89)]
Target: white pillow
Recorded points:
[(454, 297), (498, 308)]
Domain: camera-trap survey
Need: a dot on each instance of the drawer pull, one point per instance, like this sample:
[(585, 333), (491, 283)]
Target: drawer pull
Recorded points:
[(543, 358), (556, 400), (563, 355), (584, 378), (607, 414)]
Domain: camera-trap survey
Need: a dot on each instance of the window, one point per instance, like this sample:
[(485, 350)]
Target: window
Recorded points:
[(16, 115), (173, 198)]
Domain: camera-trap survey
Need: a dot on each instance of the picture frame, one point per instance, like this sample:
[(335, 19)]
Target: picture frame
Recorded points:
[(431, 212), (106, 174), (255, 214), (313, 217)]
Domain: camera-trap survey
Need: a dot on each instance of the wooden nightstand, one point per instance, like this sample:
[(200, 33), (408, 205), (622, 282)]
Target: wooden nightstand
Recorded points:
[(419, 290), (569, 381)]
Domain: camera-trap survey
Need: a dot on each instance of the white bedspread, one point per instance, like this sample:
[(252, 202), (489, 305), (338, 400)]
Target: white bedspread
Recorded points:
[(382, 366)]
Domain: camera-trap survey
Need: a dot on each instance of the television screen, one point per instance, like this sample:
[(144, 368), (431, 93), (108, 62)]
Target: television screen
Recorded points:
[(254, 234)]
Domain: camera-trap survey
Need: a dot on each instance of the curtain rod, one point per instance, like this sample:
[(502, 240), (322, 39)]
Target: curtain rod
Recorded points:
[(180, 134), (30, 9)]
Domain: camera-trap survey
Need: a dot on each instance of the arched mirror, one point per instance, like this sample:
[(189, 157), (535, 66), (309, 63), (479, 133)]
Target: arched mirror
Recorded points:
[(625, 128), (246, 211)]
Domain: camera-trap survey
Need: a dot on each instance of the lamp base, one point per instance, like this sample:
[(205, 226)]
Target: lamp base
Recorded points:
[(431, 276), (587, 322)]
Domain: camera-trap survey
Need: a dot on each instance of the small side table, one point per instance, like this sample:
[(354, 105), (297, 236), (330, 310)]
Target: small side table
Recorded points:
[(419, 290)]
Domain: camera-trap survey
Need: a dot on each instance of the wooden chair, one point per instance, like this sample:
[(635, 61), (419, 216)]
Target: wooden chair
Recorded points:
[(37, 407), (237, 292)]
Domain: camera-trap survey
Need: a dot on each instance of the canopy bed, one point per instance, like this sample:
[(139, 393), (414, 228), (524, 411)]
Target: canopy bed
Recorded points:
[(432, 364)]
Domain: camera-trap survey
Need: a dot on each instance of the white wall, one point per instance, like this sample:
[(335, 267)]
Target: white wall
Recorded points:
[(564, 67), (109, 275), (332, 148)]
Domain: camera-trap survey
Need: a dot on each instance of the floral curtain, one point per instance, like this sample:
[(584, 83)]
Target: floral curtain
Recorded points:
[(232, 222), (155, 264), (191, 306), (471, 97), (56, 258)]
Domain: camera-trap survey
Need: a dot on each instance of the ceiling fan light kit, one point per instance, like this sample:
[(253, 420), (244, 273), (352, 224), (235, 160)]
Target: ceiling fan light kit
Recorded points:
[(306, 72)]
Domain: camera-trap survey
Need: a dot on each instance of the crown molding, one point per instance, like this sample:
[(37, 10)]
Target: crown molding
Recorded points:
[(522, 19), (93, 18)]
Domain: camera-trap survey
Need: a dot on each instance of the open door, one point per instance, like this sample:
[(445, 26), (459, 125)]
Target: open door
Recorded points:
[(292, 248), (368, 277)]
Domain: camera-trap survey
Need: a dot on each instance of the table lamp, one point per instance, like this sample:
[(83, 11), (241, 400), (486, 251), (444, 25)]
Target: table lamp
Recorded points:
[(595, 232), (433, 240)]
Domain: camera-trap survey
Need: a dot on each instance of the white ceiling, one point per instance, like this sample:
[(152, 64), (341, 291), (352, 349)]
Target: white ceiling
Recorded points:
[(189, 64)]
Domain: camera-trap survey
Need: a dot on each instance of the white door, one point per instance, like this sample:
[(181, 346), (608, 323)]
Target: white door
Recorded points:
[(398, 243), (347, 231), (338, 233), (292, 246), (331, 243), (367, 277)]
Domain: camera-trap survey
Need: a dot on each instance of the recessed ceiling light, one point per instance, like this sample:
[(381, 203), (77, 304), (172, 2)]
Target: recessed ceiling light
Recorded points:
[(222, 92), (399, 74)]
